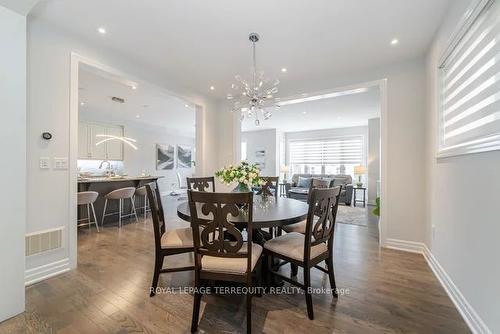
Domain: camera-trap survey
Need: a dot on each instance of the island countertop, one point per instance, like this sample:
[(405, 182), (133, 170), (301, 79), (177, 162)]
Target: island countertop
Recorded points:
[(102, 179)]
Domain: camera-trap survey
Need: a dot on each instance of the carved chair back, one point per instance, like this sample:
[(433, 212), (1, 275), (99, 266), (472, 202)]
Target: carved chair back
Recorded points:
[(212, 220), (201, 183)]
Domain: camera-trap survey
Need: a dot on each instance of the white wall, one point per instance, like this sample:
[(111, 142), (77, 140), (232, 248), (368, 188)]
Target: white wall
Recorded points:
[(462, 194), (13, 162), (263, 140), (373, 158), (49, 54)]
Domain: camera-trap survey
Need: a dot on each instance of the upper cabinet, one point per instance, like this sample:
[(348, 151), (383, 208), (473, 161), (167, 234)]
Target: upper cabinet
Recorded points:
[(88, 139)]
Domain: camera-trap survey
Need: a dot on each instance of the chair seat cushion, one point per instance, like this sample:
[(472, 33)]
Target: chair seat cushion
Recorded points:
[(177, 238), (299, 227), (292, 245), (228, 265)]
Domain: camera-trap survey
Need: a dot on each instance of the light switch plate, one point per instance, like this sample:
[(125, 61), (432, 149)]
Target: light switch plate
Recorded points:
[(44, 163), (61, 163)]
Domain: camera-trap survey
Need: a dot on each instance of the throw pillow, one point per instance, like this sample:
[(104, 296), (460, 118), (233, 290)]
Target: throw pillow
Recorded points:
[(304, 182)]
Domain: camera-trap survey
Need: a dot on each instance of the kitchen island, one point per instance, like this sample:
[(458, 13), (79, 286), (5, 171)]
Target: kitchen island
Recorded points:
[(104, 185)]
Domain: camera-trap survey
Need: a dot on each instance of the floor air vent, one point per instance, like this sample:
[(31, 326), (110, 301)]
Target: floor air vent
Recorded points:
[(40, 242)]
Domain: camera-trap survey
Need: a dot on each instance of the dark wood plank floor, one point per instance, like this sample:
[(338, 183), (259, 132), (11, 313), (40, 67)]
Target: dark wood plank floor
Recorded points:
[(387, 292)]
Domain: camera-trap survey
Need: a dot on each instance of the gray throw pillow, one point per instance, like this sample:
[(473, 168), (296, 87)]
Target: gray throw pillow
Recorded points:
[(304, 182)]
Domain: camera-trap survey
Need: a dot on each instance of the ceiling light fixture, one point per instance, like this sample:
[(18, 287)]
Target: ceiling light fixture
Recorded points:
[(134, 87), (137, 116), (304, 112), (186, 105), (102, 30), (323, 96), (284, 70), (394, 41), (126, 140), (256, 97), (212, 88), (82, 103)]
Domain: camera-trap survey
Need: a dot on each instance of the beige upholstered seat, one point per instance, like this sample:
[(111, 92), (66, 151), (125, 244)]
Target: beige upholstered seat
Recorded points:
[(292, 245), (177, 238), (299, 227), (141, 191), (231, 265)]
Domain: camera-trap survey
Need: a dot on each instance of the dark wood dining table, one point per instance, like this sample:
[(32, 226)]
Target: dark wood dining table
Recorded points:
[(267, 212)]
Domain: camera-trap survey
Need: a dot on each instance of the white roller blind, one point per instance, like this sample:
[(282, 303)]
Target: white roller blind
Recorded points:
[(470, 87), (345, 150)]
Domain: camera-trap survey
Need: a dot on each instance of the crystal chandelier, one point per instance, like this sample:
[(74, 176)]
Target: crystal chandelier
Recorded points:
[(254, 99)]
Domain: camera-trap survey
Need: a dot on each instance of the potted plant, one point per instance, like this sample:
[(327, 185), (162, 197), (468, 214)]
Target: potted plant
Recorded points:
[(245, 174)]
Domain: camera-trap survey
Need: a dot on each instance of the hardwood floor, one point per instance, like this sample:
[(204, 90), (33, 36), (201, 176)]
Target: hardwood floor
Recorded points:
[(387, 292)]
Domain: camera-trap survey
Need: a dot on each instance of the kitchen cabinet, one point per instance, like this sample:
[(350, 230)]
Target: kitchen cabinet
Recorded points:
[(87, 140)]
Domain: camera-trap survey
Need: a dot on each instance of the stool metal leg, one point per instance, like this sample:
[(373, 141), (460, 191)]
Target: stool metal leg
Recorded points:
[(88, 214), (104, 211), (145, 207), (95, 217), (133, 209), (120, 204)]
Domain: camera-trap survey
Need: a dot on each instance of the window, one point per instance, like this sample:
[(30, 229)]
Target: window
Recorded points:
[(469, 117), (243, 150), (326, 156)]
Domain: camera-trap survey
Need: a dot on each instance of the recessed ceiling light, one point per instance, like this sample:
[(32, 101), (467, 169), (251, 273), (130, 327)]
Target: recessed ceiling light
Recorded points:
[(137, 116), (284, 70), (394, 41), (212, 88), (102, 30), (304, 112), (186, 105), (82, 103), (134, 87)]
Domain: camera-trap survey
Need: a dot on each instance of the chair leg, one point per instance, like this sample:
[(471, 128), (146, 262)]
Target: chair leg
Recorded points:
[(156, 274), (249, 313), (145, 207), (331, 276), (95, 217), (133, 209), (196, 309), (307, 285), (104, 212), (294, 269)]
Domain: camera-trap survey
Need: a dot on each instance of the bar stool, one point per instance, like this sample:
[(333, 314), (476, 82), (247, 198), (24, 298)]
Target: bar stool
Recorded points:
[(120, 195), (88, 198), (141, 191)]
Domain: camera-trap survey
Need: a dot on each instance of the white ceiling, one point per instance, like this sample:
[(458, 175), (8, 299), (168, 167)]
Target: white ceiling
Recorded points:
[(337, 112), (153, 106), (199, 43)]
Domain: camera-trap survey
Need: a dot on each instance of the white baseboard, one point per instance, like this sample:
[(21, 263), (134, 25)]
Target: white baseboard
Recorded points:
[(470, 316), (41, 273)]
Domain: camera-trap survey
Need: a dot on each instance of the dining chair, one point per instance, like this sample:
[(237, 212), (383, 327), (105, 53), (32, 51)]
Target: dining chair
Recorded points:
[(201, 183), (270, 187), (300, 227), (221, 254), (309, 249), (167, 242)]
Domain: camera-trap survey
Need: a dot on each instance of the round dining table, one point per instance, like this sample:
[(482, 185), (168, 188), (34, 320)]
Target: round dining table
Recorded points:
[(267, 212)]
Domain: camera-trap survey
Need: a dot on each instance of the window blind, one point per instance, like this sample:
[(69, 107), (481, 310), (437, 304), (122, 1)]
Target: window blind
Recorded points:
[(470, 87), (345, 150)]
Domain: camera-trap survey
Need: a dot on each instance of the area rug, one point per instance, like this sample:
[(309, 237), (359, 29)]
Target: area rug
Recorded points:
[(352, 215)]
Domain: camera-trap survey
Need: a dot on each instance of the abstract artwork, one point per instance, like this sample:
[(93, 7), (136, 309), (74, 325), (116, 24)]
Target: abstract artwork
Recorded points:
[(165, 156), (184, 156)]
